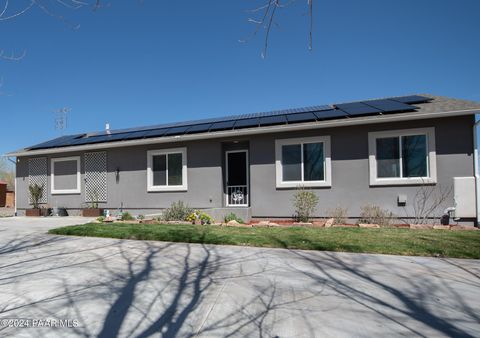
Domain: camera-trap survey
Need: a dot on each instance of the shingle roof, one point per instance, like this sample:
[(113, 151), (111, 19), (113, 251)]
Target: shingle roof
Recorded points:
[(423, 103)]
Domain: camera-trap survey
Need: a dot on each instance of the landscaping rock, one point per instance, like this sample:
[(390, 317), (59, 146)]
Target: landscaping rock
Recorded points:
[(303, 224), (421, 226), (267, 223), (234, 223), (366, 225), (441, 227), (329, 222), (318, 224)]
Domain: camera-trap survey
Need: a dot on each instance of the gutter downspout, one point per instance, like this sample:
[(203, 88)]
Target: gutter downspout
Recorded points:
[(477, 170), (15, 192)]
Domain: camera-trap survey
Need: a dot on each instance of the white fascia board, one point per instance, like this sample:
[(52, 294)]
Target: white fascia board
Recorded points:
[(250, 131)]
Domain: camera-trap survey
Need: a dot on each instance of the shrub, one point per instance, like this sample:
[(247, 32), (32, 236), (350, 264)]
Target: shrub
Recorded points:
[(126, 216), (199, 215), (36, 193), (93, 204), (101, 218), (192, 217), (373, 214), (141, 217), (338, 214), (178, 211), (232, 217), (305, 202), (205, 218)]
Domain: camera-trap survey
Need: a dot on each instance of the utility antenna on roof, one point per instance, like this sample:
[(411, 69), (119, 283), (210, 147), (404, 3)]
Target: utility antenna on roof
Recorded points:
[(60, 119)]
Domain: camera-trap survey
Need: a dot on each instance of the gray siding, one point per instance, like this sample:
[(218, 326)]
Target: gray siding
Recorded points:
[(205, 160)]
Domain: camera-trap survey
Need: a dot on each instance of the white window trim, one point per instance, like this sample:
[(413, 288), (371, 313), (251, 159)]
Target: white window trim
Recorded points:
[(431, 163), (327, 182), (54, 191), (154, 188)]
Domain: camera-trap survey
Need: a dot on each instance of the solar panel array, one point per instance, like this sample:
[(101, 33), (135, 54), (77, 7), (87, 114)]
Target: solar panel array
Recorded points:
[(281, 117)]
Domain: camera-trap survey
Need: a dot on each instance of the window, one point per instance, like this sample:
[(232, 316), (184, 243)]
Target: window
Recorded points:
[(402, 157), (167, 169), (65, 175), (303, 162)]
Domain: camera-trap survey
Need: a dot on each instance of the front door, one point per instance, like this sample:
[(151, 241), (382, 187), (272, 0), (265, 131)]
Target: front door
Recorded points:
[(237, 177)]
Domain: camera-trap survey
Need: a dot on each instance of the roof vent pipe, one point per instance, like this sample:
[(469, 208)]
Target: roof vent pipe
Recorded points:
[(107, 127)]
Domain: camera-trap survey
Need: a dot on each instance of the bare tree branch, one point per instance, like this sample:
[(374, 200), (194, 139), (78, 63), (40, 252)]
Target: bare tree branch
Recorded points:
[(12, 56), (48, 7), (267, 20)]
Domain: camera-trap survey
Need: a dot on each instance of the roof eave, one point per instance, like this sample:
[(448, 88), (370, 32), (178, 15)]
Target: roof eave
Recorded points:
[(250, 131)]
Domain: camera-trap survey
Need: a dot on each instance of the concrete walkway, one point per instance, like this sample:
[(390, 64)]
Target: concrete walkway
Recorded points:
[(141, 289)]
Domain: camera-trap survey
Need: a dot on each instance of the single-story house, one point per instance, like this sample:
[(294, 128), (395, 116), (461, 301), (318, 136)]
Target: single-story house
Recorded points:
[(385, 152)]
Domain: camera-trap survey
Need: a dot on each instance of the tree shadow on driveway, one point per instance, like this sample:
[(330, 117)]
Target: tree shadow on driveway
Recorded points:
[(122, 288)]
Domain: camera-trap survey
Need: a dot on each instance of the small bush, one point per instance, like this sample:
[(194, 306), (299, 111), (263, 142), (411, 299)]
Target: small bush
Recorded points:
[(232, 217), (338, 214), (192, 217), (36, 193), (373, 214), (305, 202), (178, 211), (101, 218), (141, 217), (126, 216), (203, 217)]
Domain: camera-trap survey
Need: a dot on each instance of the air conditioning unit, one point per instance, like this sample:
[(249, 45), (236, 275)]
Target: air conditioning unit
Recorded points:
[(464, 195)]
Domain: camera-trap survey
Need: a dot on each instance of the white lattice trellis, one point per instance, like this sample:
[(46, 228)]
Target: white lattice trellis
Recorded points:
[(37, 174), (96, 177)]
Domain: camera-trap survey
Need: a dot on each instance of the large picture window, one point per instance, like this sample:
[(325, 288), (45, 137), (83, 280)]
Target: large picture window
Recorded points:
[(303, 162), (402, 157), (167, 169), (65, 175)]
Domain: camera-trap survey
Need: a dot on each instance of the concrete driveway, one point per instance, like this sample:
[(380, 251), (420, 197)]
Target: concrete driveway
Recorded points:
[(110, 288)]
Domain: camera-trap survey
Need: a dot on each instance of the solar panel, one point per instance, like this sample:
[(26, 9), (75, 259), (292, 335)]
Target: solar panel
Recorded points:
[(57, 142), (278, 117), (135, 135), (103, 138), (330, 114), (271, 120), (83, 140), (156, 132), (176, 131), (390, 105), (358, 108), (301, 117), (222, 125), (116, 137), (199, 128), (245, 123), (412, 99)]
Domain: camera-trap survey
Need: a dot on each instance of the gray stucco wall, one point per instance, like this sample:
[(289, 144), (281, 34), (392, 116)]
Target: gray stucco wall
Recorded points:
[(350, 169), (205, 160)]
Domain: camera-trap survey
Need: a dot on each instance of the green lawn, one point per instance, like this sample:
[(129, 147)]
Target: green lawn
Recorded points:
[(444, 243)]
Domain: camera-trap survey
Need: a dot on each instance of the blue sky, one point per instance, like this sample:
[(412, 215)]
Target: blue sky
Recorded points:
[(135, 64)]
